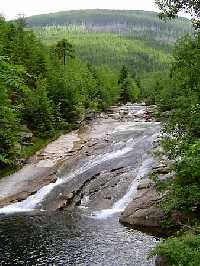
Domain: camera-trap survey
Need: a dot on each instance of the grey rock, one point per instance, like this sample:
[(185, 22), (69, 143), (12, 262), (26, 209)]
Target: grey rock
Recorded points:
[(144, 184), (143, 214)]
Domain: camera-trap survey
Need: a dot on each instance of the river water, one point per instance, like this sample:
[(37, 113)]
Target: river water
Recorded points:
[(102, 178)]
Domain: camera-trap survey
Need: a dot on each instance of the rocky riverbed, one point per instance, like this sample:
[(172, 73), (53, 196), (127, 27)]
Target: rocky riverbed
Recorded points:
[(97, 162), (99, 172)]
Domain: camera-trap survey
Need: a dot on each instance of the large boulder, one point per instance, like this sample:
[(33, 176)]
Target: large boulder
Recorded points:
[(143, 214)]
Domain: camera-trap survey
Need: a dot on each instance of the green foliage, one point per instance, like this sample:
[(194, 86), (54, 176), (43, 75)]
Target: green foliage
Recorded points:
[(179, 94), (129, 91), (188, 168), (133, 90), (22, 47), (9, 121), (123, 74), (180, 251), (158, 88), (64, 49), (184, 198), (107, 90), (9, 138), (38, 113), (110, 49)]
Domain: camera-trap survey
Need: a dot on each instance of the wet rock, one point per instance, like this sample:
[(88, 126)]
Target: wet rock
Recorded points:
[(66, 197), (167, 176), (92, 144), (70, 195), (116, 169), (31, 189), (64, 200), (180, 218), (143, 214)]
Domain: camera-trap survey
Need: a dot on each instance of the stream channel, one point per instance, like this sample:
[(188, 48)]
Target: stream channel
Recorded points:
[(75, 220)]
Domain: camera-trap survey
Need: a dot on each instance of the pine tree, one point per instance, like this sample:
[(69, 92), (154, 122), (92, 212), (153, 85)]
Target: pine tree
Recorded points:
[(64, 49), (123, 82)]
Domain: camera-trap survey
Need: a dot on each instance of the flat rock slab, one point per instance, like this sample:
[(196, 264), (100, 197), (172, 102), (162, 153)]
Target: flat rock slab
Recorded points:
[(38, 173)]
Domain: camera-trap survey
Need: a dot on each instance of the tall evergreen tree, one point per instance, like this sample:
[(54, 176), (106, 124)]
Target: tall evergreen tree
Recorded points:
[(64, 49), (123, 82)]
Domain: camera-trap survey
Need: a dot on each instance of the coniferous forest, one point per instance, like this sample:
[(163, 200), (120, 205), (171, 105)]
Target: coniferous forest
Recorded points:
[(53, 75)]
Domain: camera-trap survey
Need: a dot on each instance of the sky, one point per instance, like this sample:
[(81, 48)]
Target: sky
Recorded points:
[(11, 8)]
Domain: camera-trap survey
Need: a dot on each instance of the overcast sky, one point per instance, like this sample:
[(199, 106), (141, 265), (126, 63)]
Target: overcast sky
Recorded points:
[(11, 8)]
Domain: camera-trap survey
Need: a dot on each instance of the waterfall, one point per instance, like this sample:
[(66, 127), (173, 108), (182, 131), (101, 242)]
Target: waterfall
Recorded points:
[(34, 201)]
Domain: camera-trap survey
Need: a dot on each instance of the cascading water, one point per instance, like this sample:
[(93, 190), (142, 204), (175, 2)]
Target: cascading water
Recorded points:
[(33, 201), (120, 205)]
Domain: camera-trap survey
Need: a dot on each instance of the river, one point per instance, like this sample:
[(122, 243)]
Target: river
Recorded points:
[(74, 221)]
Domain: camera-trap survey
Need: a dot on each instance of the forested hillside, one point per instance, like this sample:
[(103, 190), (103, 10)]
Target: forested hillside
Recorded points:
[(109, 49), (140, 24), (138, 39)]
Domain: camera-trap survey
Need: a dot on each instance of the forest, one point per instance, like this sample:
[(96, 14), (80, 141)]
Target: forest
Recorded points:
[(138, 39), (123, 22), (110, 49)]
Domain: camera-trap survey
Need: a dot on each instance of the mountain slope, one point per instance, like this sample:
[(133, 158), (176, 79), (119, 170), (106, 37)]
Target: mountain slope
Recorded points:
[(137, 39), (142, 24)]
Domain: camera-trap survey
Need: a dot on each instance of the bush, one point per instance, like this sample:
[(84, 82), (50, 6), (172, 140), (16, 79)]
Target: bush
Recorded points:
[(180, 251)]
